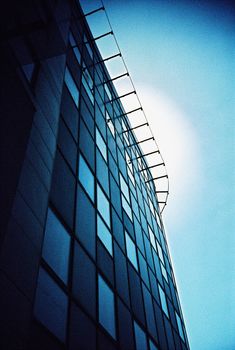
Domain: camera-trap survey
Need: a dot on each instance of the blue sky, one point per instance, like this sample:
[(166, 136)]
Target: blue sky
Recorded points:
[(181, 59)]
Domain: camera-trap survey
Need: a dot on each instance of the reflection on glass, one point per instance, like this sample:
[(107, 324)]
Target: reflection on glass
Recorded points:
[(75, 49), (103, 205), (179, 323), (160, 252), (140, 338), (56, 246), (163, 300), (51, 305), (106, 307), (164, 272), (124, 188), (126, 207), (152, 238), (86, 177), (101, 144), (131, 251), (88, 83), (152, 346), (71, 85), (104, 235)]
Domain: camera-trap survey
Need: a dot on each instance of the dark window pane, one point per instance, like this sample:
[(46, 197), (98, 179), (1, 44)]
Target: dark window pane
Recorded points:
[(67, 145), (63, 189), (87, 144), (71, 85), (118, 231), (56, 246), (51, 305), (115, 196), (126, 336), (85, 222), (82, 331), (149, 312), (136, 294), (105, 262), (102, 172), (121, 274), (84, 280), (106, 307)]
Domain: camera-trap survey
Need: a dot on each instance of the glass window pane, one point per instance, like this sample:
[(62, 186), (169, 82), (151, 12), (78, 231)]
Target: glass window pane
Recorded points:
[(131, 251), (164, 272), (86, 177), (103, 205), (104, 234), (163, 300), (152, 238), (88, 83), (106, 307), (75, 49), (152, 346), (101, 144), (56, 246), (124, 188), (88, 46), (51, 305), (160, 252), (126, 207), (71, 85), (179, 323), (28, 70), (140, 338)]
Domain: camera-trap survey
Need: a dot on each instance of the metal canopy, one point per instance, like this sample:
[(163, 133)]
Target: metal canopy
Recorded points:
[(141, 142)]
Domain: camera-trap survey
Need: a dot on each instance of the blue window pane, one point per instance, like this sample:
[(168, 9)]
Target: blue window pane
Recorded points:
[(131, 251), (86, 177), (160, 253), (106, 307), (29, 70), (71, 85), (140, 338), (152, 346), (163, 300), (103, 205), (51, 305), (126, 207), (179, 323), (104, 235), (88, 46), (124, 188), (56, 246), (87, 87), (101, 144), (164, 272), (75, 49), (152, 238)]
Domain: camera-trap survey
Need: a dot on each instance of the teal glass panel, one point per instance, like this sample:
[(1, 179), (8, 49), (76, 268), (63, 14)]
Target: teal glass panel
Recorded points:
[(106, 307), (131, 251), (86, 177), (56, 246), (104, 235)]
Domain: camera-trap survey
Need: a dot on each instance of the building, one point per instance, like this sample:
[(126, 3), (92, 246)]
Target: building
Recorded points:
[(84, 262)]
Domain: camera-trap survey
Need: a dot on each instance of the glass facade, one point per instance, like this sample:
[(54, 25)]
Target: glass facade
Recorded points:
[(95, 268)]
